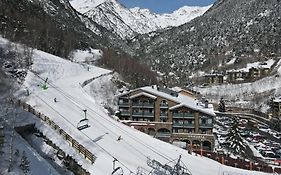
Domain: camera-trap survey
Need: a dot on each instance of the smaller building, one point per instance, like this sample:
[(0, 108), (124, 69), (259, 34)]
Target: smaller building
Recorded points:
[(214, 78), (235, 76), (276, 113), (258, 72), (251, 72)]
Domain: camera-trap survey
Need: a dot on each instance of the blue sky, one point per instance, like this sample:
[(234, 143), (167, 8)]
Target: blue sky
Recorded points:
[(164, 6)]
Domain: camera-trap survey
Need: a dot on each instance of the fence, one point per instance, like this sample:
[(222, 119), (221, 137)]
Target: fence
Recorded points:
[(240, 163), (75, 144)]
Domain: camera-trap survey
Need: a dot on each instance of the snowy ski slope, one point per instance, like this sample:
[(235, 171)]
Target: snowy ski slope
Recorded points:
[(64, 84)]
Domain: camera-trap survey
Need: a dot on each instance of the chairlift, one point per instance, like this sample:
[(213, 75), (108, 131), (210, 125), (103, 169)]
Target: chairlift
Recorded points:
[(117, 171), (44, 86), (83, 124)]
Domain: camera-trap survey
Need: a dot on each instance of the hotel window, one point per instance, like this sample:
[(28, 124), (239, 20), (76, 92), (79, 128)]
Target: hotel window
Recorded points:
[(163, 112), (204, 131), (190, 122), (164, 103), (136, 111), (203, 121)]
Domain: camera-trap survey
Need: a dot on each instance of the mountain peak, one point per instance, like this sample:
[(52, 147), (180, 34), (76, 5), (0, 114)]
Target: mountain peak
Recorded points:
[(128, 22), (84, 6)]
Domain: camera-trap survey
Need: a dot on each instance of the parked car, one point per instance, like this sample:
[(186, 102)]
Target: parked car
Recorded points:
[(269, 154)]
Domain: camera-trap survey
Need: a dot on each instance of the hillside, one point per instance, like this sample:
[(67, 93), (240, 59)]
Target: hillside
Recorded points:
[(53, 26), (255, 95), (240, 29), (132, 152)]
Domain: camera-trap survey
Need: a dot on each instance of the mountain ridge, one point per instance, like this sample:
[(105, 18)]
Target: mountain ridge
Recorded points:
[(246, 30), (128, 23)]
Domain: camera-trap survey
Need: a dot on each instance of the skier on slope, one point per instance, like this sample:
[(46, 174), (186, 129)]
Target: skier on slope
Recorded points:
[(119, 138)]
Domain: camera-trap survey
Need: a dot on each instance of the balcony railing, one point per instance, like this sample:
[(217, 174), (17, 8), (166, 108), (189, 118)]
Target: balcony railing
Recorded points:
[(185, 125), (164, 106), (206, 125), (143, 105), (143, 114), (163, 134), (125, 113), (123, 104), (183, 115)]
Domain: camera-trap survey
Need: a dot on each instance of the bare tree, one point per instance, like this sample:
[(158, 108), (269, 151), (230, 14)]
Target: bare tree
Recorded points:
[(28, 55)]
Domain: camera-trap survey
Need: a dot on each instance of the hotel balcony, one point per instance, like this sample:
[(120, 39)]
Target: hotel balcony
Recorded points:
[(123, 104), (143, 105), (183, 115), (125, 113), (164, 115), (185, 125), (162, 134), (206, 125), (143, 114), (165, 106)]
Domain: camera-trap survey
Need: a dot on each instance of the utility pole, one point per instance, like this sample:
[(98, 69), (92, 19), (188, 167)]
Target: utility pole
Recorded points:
[(11, 149)]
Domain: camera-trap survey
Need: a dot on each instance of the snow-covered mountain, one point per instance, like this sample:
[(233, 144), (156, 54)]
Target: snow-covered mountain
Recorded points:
[(246, 30), (128, 22), (131, 153)]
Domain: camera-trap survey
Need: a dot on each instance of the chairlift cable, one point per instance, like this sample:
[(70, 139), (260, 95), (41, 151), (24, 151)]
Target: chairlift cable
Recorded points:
[(73, 100), (84, 133), (70, 98)]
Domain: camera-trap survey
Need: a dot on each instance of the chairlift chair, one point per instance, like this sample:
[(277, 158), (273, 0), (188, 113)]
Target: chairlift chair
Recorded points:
[(83, 124), (117, 171)]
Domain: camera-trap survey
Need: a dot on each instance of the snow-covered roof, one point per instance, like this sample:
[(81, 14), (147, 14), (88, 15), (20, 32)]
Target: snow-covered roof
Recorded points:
[(145, 94), (181, 99), (259, 65), (177, 89), (213, 74), (238, 71), (278, 99)]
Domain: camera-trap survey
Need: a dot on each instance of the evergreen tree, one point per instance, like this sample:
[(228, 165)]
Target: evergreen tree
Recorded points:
[(234, 139), (24, 164), (221, 105)]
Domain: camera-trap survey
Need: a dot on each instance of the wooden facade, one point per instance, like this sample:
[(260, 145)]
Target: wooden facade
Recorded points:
[(159, 116)]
